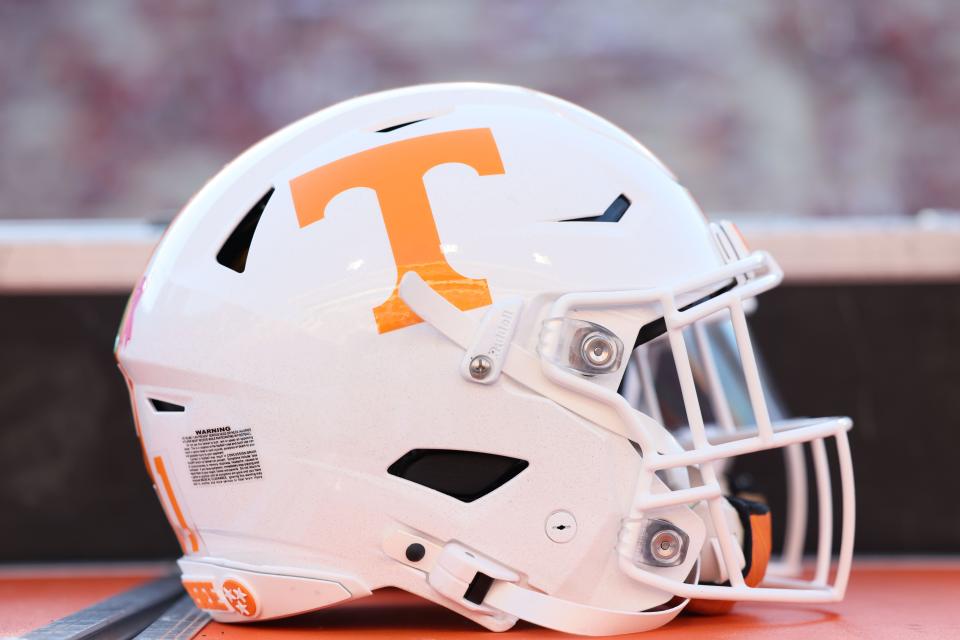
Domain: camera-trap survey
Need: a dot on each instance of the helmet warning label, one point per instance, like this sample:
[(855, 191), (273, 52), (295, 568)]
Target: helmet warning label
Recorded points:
[(219, 455)]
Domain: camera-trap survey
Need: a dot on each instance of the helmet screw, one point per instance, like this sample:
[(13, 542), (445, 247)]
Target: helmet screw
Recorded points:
[(598, 349), (665, 546), (561, 526), (480, 367)]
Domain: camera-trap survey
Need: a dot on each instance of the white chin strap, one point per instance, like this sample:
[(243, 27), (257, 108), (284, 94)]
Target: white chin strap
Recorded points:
[(572, 617), (485, 591)]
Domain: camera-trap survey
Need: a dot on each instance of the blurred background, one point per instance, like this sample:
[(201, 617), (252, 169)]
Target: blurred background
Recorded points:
[(818, 108), (822, 126)]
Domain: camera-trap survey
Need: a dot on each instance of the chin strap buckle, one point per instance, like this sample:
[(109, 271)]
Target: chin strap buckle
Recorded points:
[(491, 592), (463, 576), (452, 570)]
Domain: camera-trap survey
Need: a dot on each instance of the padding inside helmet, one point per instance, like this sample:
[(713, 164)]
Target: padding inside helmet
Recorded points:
[(464, 475), (233, 253)]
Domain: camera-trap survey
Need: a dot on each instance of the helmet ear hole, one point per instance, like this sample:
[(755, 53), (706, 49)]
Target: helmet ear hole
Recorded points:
[(464, 475)]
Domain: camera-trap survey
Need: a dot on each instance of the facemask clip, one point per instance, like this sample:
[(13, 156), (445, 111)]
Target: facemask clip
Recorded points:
[(484, 360), (584, 347), (661, 544)]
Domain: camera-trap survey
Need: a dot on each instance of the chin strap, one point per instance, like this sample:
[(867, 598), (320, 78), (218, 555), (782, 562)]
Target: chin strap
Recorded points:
[(485, 588), (757, 546), (572, 617)]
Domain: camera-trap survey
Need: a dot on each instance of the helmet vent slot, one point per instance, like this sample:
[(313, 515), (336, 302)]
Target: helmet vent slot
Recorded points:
[(613, 213), (394, 127), (233, 253), (464, 475), (162, 406)]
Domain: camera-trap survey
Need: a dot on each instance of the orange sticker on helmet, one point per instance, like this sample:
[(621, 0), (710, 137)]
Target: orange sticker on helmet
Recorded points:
[(395, 172), (172, 497), (204, 595), (239, 597)]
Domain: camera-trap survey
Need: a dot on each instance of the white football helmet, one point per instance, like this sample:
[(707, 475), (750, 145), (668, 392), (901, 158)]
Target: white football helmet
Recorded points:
[(382, 348)]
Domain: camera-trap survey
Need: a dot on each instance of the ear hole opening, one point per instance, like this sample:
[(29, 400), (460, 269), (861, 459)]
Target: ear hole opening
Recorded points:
[(464, 475)]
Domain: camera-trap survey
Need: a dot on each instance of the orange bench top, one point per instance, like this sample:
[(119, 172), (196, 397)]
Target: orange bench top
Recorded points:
[(886, 599)]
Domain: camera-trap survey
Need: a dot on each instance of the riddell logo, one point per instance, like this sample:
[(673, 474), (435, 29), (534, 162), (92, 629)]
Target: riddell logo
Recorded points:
[(395, 172)]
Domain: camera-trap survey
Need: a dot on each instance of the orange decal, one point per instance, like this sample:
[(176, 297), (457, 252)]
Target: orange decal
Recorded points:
[(761, 527), (239, 598), (761, 545), (204, 595), (162, 472), (395, 171)]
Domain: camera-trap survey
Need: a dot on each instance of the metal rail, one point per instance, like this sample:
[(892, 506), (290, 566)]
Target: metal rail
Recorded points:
[(108, 256), (146, 608)]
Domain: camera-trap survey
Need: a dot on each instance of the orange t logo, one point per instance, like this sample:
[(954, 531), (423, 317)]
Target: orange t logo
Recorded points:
[(395, 172)]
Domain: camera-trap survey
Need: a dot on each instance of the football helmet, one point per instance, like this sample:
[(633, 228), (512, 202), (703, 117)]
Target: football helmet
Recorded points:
[(383, 348)]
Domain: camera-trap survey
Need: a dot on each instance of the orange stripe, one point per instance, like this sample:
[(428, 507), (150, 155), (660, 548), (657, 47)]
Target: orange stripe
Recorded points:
[(162, 472), (136, 422), (761, 536), (143, 449)]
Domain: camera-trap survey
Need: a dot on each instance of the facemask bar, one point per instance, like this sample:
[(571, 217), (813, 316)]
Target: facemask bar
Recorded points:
[(755, 274), (790, 563), (715, 345), (721, 340)]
